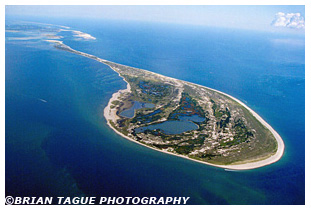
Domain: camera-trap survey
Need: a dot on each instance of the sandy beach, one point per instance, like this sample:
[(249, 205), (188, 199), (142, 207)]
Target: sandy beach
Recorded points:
[(110, 114)]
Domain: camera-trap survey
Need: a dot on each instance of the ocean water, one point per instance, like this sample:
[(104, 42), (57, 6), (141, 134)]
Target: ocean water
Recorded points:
[(58, 143)]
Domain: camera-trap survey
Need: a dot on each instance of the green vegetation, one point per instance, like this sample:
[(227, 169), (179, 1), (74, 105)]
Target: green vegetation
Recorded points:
[(228, 134), (234, 132)]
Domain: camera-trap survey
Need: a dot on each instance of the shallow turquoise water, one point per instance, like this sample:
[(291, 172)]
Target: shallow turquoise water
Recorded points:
[(64, 147)]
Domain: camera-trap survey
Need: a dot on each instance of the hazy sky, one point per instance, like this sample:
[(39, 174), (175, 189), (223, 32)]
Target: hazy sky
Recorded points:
[(247, 17)]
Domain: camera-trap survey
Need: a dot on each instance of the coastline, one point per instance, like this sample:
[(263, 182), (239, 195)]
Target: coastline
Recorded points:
[(250, 164), (110, 114)]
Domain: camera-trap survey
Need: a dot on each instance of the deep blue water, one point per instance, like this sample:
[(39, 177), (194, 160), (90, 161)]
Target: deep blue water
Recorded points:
[(64, 147)]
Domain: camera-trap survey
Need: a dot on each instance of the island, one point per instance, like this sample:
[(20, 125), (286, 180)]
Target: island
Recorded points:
[(188, 120)]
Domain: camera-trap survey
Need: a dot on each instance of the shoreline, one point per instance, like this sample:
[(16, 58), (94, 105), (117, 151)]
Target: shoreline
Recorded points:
[(242, 165), (250, 164)]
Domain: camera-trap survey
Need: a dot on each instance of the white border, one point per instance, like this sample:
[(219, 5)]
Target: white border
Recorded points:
[(155, 2), (307, 4)]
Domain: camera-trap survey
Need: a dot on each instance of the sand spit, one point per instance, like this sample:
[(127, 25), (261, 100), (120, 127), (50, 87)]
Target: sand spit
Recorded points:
[(110, 114)]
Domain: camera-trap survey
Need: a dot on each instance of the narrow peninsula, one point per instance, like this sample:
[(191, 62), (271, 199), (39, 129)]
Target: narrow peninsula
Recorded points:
[(188, 120)]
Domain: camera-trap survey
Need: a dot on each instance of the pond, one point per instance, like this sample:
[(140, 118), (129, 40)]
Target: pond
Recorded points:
[(129, 113), (171, 127)]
